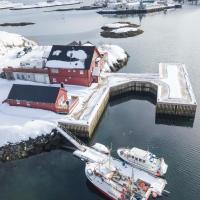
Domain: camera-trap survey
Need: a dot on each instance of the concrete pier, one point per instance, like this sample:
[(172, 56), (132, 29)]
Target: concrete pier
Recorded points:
[(171, 88)]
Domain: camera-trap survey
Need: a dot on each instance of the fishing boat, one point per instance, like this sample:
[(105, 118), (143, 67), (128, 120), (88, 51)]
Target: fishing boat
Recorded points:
[(144, 160), (108, 180), (118, 180)]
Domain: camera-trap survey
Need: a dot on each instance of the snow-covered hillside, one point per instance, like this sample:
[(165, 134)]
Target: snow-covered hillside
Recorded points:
[(9, 41)]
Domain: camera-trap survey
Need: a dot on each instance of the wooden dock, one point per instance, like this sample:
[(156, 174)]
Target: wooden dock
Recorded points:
[(171, 88)]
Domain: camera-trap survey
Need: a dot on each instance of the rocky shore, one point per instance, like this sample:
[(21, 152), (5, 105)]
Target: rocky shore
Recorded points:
[(120, 30), (24, 149)]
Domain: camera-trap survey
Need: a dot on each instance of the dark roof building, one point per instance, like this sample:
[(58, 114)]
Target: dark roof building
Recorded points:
[(34, 93), (41, 97), (70, 57)]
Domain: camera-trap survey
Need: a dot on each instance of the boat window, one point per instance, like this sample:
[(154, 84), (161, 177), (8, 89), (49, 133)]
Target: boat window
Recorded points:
[(133, 157), (136, 158), (140, 160), (143, 161)]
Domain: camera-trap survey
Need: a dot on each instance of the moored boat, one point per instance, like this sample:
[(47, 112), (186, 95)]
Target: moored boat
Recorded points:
[(144, 160), (108, 180), (112, 177)]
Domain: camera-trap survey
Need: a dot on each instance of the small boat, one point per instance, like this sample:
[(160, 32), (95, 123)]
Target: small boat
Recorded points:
[(101, 148), (144, 160), (108, 180)]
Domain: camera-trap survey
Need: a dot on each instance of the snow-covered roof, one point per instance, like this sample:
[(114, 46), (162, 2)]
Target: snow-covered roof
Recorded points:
[(70, 57)]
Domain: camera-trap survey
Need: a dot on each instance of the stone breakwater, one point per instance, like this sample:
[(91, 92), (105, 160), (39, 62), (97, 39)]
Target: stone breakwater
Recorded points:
[(24, 149)]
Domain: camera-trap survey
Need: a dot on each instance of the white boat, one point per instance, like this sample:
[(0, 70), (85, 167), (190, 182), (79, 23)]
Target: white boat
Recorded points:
[(101, 148), (144, 160), (108, 180)]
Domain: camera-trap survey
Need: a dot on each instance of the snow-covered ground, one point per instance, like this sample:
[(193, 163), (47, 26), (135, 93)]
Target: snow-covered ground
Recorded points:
[(124, 30), (21, 119), (9, 4), (20, 123), (115, 55), (8, 41), (117, 25)]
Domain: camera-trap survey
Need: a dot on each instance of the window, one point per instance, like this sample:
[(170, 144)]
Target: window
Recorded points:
[(69, 70), (54, 80), (136, 159), (74, 70), (18, 76), (66, 80), (140, 160), (18, 101), (28, 104), (81, 72), (55, 71)]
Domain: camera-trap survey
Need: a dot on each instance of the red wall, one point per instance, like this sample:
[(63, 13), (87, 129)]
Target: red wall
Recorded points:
[(39, 105), (73, 76)]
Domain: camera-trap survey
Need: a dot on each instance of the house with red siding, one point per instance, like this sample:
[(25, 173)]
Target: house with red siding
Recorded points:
[(41, 97), (77, 65), (74, 64)]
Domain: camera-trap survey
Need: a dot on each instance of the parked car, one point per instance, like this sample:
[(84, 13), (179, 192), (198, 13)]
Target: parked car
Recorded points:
[(24, 51)]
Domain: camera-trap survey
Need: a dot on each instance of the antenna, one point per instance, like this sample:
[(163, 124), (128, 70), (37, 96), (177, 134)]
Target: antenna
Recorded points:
[(110, 153)]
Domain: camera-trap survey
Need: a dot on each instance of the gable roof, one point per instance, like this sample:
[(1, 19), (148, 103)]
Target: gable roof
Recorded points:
[(70, 57), (34, 93), (74, 43)]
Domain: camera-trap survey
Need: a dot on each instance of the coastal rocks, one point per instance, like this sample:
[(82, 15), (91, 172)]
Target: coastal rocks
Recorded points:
[(30, 147), (120, 30), (9, 41), (116, 57)]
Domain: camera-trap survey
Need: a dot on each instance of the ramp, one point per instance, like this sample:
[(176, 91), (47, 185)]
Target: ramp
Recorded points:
[(71, 138)]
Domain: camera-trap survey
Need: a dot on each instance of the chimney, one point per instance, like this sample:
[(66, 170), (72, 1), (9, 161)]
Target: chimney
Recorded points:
[(62, 85)]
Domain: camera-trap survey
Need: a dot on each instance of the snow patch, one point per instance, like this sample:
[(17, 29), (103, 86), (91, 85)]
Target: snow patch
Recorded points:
[(115, 54), (10, 40), (79, 54), (124, 30), (17, 133), (65, 65)]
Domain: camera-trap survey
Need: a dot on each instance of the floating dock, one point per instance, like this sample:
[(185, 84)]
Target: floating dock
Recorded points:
[(171, 88)]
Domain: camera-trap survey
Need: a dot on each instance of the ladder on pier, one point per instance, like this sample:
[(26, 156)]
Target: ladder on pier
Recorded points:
[(71, 138)]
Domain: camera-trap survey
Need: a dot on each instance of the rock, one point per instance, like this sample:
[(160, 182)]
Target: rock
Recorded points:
[(17, 24), (120, 30)]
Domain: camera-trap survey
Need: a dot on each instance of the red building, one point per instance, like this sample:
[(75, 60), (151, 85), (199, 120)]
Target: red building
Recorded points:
[(77, 65), (41, 97), (71, 64)]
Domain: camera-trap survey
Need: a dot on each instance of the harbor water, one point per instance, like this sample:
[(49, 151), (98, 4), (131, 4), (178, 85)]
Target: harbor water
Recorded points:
[(172, 36)]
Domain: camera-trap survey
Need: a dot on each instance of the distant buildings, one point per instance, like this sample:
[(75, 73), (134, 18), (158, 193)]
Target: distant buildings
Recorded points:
[(41, 97), (71, 64)]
